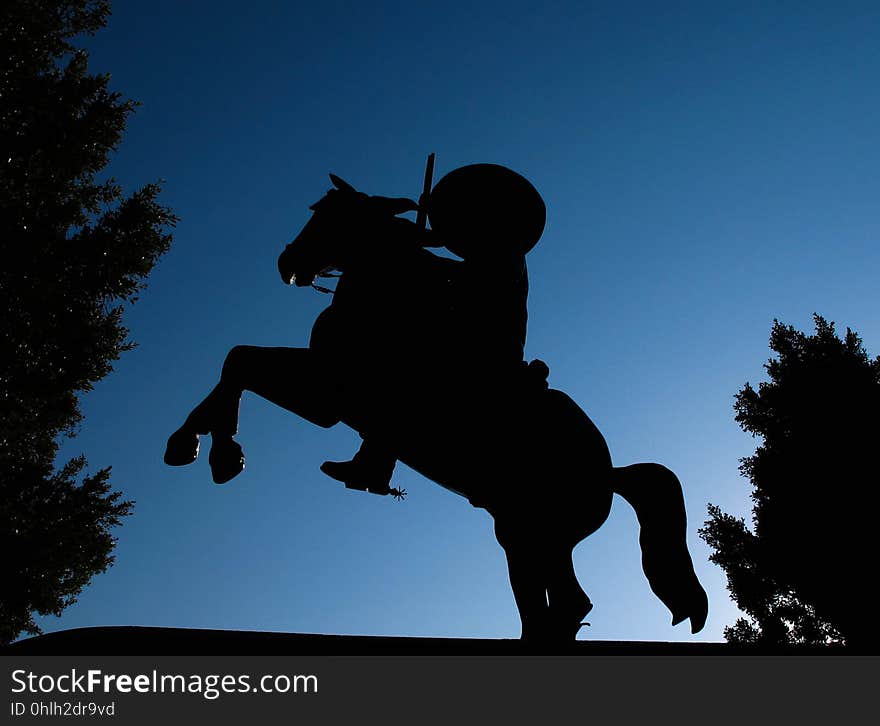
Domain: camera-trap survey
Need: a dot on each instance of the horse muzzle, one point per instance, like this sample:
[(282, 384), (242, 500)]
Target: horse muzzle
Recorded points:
[(302, 280), (297, 280), (289, 274)]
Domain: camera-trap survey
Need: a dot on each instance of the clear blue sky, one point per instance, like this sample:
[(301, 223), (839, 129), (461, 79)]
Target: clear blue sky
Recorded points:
[(706, 166)]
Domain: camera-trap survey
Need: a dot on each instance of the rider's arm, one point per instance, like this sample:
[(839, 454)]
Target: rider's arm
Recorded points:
[(408, 232)]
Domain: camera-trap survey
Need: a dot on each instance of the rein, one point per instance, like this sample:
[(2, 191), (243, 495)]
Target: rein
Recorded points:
[(325, 273)]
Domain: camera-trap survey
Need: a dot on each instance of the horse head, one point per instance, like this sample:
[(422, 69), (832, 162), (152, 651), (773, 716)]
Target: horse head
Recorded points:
[(339, 221)]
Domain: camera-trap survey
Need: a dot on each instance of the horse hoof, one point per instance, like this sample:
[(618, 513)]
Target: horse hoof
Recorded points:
[(226, 460), (182, 448), (580, 620)]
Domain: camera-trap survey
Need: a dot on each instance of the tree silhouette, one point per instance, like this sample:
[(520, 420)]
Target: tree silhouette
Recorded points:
[(73, 251), (802, 574)]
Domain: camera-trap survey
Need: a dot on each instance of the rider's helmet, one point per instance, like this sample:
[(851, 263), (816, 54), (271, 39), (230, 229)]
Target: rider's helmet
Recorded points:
[(486, 211)]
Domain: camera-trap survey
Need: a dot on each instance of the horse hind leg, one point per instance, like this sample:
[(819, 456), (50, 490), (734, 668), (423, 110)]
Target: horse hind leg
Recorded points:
[(568, 602), (550, 600), (526, 580), (568, 526)]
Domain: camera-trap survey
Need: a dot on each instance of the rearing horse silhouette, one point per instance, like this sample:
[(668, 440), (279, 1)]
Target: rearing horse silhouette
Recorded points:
[(527, 454)]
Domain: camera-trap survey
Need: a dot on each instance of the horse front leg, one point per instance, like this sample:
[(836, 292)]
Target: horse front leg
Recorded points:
[(288, 377)]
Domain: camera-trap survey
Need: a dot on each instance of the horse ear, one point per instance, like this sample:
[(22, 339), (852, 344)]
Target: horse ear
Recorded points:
[(340, 184)]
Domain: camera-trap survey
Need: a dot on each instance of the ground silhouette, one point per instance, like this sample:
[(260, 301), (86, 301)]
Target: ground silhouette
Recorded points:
[(129, 640)]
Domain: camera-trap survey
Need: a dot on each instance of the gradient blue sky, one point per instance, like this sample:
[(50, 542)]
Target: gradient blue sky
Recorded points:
[(706, 166)]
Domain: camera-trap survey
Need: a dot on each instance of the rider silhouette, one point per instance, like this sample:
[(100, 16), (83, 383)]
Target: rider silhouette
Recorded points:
[(490, 217)]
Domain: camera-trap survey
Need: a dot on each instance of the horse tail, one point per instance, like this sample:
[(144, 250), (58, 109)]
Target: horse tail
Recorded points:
[(654, 492)]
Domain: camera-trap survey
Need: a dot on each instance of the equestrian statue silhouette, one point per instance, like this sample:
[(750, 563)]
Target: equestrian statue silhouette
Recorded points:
[(422, 355)]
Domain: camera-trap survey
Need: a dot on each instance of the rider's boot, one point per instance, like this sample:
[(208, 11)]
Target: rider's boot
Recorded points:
[(369, 471)]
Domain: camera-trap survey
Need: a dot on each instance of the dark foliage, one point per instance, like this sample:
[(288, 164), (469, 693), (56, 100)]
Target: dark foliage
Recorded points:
[(74, 249), (803, 574)]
